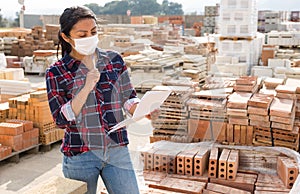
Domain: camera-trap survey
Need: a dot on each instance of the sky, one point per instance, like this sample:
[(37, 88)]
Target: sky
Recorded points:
[(10, 7)]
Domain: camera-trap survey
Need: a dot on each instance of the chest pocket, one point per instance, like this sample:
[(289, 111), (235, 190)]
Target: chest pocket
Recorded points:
[(108, 86), (75, 84)]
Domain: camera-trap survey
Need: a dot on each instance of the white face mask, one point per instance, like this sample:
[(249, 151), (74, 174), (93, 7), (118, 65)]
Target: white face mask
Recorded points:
[(86, 46)]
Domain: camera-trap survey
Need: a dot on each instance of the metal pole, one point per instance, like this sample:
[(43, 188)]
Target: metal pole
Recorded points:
[(22, 18)]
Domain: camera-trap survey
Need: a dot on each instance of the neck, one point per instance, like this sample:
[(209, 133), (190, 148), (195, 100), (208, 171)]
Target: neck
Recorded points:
[(75, 55)]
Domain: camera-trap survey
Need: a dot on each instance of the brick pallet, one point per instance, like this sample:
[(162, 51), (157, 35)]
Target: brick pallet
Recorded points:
[(236, 170), (15, 155), (173, 116)]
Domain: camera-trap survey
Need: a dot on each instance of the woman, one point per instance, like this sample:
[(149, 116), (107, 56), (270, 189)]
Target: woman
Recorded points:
[(87, 89)]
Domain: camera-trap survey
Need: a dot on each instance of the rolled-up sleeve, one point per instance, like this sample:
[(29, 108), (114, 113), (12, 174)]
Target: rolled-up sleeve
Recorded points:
[(129, 103), (56, 100), (67, 110)]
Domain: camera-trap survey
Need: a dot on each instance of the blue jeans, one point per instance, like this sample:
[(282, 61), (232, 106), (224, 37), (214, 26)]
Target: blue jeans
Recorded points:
[(113, 165)]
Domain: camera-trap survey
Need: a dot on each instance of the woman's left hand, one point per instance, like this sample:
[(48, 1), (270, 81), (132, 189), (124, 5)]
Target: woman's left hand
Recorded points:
[(153, 115)]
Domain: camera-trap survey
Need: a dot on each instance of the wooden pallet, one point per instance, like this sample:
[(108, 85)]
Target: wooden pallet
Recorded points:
[(276, 137), (236, 38), (15, 156)]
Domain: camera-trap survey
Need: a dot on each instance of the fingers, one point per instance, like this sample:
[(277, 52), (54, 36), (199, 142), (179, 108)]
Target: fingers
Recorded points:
[(92, 78), (153, 115)]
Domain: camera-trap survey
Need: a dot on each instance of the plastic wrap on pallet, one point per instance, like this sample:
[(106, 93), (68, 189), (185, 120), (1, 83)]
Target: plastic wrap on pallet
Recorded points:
[(238, 18), (242, 30), (273, 63), (262, 71), (247, 51), (238, 69), (242, 4), (283, 38)]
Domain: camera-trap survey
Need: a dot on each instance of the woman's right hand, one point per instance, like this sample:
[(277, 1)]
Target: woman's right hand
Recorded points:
[(91, 80)]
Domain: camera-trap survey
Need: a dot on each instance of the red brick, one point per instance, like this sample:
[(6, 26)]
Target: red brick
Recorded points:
[(213, 163), (11, 128), (5, 151), (222, 167), (16, 142), (34, 132), (27, 125)]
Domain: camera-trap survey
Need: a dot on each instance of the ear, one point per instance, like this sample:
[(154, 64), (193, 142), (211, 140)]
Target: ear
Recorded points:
[(65, 37)]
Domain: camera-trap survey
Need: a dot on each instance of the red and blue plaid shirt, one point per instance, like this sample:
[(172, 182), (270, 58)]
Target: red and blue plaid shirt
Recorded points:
[(103, 107)]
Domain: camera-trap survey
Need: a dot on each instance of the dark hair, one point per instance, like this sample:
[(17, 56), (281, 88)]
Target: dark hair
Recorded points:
[(67, 20)]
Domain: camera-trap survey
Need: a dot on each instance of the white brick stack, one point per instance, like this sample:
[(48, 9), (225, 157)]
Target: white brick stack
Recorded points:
[(238, 18), (283, 38), (238, 32)]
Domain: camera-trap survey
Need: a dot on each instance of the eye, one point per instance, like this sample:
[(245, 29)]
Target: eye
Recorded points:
[(94, 32)]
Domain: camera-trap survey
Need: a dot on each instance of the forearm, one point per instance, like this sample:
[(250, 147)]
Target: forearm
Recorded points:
[(79, 100), (132, 109)]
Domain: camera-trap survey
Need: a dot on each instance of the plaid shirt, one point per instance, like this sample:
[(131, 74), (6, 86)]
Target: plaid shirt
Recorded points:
[(102, 109)]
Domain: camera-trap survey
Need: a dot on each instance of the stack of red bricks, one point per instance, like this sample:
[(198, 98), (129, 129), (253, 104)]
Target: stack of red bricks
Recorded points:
[(33, 41), (209, 170), (18, 134), (35, 108)]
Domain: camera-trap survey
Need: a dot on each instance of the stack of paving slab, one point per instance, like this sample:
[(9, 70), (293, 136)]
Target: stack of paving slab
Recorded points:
[(13, 83)]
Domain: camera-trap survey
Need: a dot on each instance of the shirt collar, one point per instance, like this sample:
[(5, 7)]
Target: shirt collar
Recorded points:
[(70, 62)]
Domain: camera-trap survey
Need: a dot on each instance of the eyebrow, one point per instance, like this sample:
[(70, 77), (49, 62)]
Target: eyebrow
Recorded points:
[(94, 28)]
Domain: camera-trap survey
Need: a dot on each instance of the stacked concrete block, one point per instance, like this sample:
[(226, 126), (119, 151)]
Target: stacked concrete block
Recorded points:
[(272, 21), (238, 32), (285, 39), (238, 18), (210, 20)]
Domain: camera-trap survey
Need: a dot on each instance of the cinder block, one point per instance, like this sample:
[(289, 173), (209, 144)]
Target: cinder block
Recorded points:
[(180, 163), (232, 164), (222, 167), (201, 161), (185, 161), (213, 163), (171, 162), (287, 171), (157, 160), (189, 163), (149, 155)]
